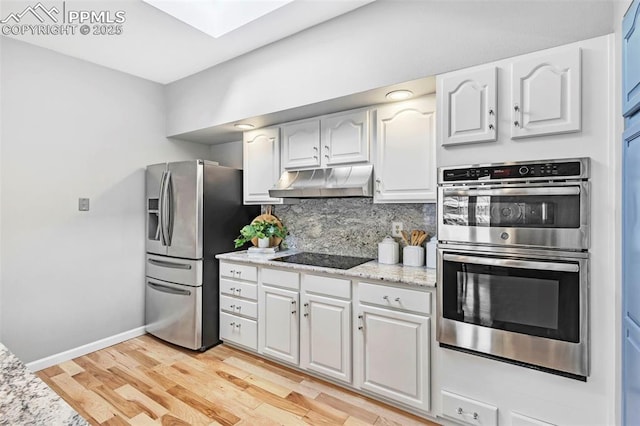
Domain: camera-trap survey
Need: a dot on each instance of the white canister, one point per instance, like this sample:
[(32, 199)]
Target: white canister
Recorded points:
[(388, 251), (413, 256)]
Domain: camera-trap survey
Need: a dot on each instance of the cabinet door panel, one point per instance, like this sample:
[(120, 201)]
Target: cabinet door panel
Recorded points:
[(468, 104), (395, 350), (279, 324), (301, 144), (631, 224), (405, 152), (631, 60), (345, 138), (546, 94), (261, 165), (325, 341), (631, 373)]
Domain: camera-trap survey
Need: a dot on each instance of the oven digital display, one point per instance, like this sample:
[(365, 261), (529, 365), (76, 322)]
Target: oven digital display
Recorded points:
[(532, 170)]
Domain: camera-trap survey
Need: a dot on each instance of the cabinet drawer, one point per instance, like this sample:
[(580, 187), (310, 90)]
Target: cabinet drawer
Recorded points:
[(394, 297), (239, 330), (239, 272), (335, 287), (239, 306), (278, 278), (468, 411), (239, 289)]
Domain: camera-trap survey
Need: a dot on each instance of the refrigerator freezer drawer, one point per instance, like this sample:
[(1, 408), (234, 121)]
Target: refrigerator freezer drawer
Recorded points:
[(173, 313), (181, 271)]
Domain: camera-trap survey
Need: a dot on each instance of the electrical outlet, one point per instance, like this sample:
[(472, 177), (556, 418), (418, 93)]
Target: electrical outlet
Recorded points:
[(83, 204), (396, 227)]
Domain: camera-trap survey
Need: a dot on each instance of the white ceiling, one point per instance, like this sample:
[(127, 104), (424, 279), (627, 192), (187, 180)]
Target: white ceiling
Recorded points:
[(161, 48)]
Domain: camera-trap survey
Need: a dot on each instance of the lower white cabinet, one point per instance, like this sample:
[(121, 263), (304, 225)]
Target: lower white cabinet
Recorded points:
[(279, 331), (325, 336), (394, 355)]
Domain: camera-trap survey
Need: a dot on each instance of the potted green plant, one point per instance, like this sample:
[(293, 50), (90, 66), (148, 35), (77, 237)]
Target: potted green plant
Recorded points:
[(265, 232)]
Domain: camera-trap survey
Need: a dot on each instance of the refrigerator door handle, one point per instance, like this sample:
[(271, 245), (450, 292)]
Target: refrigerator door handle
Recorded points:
[(168, 208), (167, 289), (161, 214), (166, 264)]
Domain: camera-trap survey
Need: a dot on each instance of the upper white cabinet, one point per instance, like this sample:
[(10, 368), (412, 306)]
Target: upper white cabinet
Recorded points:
[(261, 165), (301, 144), (332, 140), (468, 106), (405, 170), (345, 138), (546, 93), (631, 61)]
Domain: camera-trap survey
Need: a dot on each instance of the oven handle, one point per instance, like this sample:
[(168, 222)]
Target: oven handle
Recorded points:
[(513, 263), (554, 190)]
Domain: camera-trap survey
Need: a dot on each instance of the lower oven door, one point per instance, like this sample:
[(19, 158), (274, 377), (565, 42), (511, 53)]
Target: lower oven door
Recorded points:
[(531, 310)]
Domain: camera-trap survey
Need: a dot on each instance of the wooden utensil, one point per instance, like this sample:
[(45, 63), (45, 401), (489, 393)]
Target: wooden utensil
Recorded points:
[(405, 237), (414, 237)]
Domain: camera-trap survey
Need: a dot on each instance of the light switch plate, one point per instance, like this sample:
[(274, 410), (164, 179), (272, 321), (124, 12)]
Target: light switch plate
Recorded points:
[(83, 204)]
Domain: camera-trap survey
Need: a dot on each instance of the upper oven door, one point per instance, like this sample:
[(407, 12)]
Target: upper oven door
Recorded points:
[(551, 215)]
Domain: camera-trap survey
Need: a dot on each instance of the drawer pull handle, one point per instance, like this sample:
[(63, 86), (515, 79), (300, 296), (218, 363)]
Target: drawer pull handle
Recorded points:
[(461, 412), (306, 309), (360, 323)]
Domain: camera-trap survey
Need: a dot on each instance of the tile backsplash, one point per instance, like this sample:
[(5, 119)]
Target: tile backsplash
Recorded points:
[(349, 226)]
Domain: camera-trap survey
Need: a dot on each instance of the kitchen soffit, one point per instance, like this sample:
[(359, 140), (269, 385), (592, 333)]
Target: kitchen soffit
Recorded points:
[(158, 47)]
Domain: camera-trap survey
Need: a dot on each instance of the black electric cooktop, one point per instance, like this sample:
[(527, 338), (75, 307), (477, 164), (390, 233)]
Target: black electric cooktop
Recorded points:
[(324, 260)]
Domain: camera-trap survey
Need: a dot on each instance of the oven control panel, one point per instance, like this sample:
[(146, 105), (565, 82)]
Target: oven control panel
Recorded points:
[(567, 169)]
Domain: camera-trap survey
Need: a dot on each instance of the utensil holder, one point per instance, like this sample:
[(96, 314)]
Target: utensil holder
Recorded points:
[(413, 256)]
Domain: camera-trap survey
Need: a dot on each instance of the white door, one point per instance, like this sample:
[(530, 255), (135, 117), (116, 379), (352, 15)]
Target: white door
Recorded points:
[(546, 94), (301, 144), (394, 355), (467, 102), (404, 167), (278, 336), (325, 336), (345, 138), (261, 165)]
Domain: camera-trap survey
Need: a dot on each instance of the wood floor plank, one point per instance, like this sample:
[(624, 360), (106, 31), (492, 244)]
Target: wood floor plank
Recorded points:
[(91, 403), (71, 368), (145, 381), (279, 415), (325, 410), (151, 406), (210, 410), (348, 408)]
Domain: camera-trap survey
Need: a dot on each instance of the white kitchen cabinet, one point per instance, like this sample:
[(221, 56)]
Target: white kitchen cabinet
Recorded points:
[(238, 304), (467, 106), (404, 163), (261, 165), (393, 347), (345, 138), (278, 334), (546, 93), (301, 144), (325, 327)]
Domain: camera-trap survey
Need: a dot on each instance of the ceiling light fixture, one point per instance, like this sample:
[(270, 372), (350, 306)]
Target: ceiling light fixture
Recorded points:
[(244, 126), (398, 95)]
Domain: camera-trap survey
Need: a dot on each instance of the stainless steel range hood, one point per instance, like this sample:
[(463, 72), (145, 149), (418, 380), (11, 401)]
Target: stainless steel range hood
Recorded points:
[(349, 181)]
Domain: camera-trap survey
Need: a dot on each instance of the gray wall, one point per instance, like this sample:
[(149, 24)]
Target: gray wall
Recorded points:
[(228, 154), (382, 43), (349, 226), (73, 129)]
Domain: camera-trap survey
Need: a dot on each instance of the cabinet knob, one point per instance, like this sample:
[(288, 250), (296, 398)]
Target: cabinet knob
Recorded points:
[(232, 289), (491, 127), (233, 271), (315, 148), (232, 324), (397, 299), (491, 111), (233, 306), (385, 297), (293, 312), (516, 108), (516, 123), (315, 156), (238, 325), (326, 147), (326, 156)]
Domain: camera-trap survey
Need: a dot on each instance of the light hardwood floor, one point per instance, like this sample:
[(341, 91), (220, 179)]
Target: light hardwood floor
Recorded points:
[(144, 381)]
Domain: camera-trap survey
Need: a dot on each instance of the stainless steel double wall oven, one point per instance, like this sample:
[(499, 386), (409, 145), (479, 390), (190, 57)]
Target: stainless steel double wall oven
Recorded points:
[(513, 263)]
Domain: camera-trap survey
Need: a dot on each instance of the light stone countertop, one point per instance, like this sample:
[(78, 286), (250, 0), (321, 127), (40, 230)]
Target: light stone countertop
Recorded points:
[(415, 276), (27, 400)]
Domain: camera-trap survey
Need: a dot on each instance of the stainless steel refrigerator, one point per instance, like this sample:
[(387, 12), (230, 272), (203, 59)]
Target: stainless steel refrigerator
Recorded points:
[(194, 211)]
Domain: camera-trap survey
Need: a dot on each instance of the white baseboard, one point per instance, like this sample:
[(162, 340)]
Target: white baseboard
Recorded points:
[(43, 363)]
